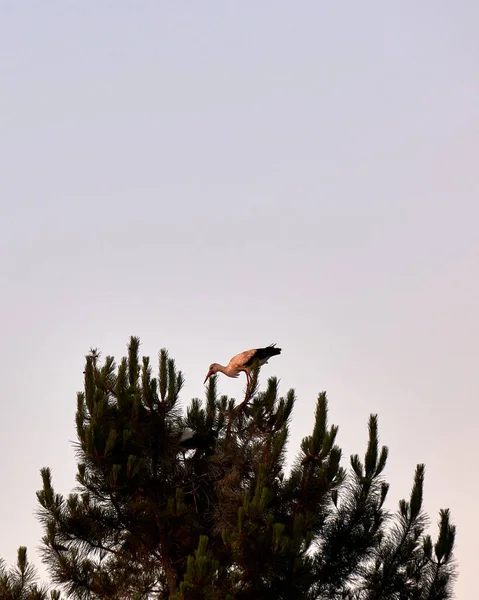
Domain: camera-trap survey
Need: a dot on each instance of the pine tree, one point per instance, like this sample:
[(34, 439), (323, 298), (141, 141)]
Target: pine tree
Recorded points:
[(19, 582), (199, 505)]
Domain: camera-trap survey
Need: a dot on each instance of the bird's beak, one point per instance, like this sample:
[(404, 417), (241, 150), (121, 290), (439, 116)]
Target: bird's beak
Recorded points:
[(207, 376)]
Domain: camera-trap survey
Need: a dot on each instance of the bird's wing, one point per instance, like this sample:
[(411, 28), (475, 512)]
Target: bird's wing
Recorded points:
[(262, 355), (242, 359)]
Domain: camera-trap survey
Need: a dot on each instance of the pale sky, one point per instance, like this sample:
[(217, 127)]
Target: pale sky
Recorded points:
[(215, 176)]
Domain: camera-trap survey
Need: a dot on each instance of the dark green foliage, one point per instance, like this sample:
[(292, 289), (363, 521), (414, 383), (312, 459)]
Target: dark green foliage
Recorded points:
[(19, 582), (152, 519)]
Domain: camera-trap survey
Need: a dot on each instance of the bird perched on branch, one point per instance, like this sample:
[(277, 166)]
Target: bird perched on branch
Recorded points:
[(192, 440), (244, 362), (187, 438)]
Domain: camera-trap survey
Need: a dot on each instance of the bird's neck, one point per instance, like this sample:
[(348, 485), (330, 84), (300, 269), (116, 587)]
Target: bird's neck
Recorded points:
[(222, 369)]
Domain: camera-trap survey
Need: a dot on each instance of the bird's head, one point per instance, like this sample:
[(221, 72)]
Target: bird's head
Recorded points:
[(211, 371)]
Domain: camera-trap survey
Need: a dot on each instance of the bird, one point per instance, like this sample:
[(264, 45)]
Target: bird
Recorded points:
[(244, 362), (190, 439)]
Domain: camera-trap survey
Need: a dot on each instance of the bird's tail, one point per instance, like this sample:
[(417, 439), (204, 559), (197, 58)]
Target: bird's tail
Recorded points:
[(272, 350)]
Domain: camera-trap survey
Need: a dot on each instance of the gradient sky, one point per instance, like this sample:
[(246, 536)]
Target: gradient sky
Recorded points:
[(214, 176)]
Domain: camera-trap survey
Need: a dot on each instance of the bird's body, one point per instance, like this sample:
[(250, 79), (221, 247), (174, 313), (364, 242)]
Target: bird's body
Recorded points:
[(192, 440), (244, 362), (187, 435)]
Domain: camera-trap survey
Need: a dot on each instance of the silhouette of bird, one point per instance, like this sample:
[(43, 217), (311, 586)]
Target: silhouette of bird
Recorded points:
[(244, 362), (190, 439)]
